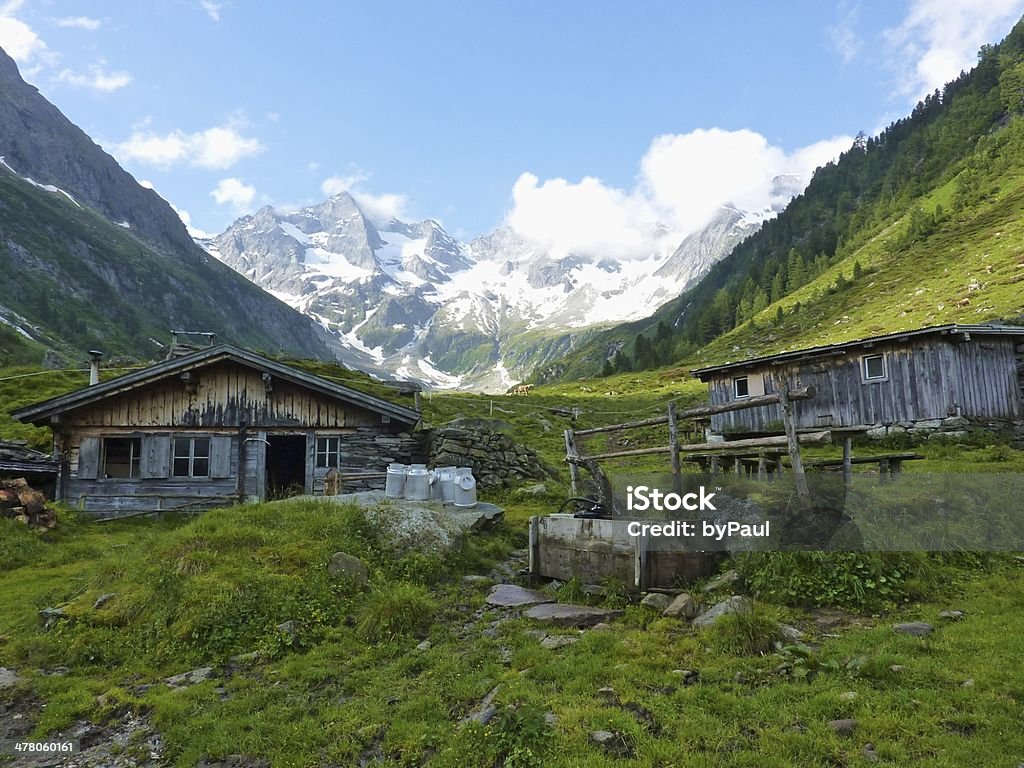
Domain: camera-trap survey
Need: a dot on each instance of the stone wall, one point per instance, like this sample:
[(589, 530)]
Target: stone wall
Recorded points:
[(952, 427), (496, 460), (369, 450)]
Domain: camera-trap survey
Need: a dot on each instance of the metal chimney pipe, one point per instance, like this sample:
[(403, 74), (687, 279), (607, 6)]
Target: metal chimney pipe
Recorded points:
[(94, 367)]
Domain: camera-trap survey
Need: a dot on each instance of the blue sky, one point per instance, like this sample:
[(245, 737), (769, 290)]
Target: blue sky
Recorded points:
[(559, 118)]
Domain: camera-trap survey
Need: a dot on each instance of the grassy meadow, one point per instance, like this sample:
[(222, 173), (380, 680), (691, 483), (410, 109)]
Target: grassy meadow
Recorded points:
[(354, 683)]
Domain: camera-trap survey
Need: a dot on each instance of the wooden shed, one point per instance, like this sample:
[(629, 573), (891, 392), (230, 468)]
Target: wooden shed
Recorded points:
[(212, 427), (942, 378)]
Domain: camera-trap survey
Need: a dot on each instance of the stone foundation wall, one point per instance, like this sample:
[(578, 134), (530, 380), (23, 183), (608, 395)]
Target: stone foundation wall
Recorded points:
[(496, 460), (952, 427)]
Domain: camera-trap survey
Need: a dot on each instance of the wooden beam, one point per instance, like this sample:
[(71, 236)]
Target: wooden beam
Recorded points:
[(793, 443), (823, 437), (673, 447), (617, 454), (571, 454), (801, 393), (628, 425)]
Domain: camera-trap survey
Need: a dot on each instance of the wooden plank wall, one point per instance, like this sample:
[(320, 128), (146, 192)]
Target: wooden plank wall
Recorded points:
[(225, 394), (112, 496), (927, 378)]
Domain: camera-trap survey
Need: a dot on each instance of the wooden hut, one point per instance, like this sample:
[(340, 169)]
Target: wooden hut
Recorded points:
[(944, 378), (214, 426)]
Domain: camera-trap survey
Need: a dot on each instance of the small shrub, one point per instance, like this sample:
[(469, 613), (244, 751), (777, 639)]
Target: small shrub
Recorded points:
[(520, 735), (999, 453), (394, 610), (746, 631), (859, 581)]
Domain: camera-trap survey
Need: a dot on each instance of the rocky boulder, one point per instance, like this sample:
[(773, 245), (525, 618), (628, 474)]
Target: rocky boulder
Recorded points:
[(347, 566), (717, 611)]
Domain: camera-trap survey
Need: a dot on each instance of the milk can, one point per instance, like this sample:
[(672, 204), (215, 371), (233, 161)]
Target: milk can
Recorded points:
[(447, 483), (465, 488), (435, 485), (417, 483), (394, 482)]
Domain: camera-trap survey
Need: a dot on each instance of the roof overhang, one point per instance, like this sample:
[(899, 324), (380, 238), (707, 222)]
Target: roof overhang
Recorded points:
[(46, 412)]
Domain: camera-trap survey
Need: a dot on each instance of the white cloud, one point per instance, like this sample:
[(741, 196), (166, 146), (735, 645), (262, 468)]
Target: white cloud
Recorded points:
[(379, 209), (234, 192), (844, 37), (79, 22), (18, 38), (940, 38), (335, 185), (684, 180), (214, 148), (212, 9), (97, 79)]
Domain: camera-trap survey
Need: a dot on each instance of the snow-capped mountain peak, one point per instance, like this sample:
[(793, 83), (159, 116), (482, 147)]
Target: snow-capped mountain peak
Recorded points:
[(410, 300)]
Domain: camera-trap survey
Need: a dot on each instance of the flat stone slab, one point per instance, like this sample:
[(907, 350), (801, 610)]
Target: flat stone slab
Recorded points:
[(554, 642), (192, 677), (513, 596), (582, 616), (8, 678), (915, 628)]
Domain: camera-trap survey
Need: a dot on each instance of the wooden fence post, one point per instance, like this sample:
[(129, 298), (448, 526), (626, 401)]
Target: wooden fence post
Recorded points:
[(534, 546), (570, 454), (848, 461), (673, 447), (793, 444)]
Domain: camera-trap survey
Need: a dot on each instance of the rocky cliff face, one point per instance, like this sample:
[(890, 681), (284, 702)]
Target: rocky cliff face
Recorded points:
[(91, 258)]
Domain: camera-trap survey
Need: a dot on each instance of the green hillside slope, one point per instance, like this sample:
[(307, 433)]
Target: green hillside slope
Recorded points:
[(74, 281)]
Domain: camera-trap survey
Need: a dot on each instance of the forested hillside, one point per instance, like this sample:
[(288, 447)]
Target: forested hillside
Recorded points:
[(933, 199)]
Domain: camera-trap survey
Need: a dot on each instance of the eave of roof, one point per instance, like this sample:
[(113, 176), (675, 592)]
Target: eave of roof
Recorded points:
[(987, 329), (40, 413), (30, 467)]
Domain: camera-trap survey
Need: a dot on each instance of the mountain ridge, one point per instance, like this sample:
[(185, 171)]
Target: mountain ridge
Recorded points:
[(94, 260)]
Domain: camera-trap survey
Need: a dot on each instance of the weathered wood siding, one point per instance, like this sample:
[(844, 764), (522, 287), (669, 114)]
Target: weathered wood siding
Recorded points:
[(926, 378), (224, 398), (226, 395), (113, 496)]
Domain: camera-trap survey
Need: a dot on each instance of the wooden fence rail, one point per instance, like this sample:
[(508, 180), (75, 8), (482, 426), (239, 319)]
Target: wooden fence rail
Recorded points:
[(784, 397)]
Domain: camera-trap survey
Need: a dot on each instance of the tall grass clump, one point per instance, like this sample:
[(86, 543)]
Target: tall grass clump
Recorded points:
[(750, 630), (396, 609)]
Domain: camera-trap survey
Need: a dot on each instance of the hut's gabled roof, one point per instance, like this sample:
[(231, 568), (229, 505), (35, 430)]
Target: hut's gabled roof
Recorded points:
[(42, 413)]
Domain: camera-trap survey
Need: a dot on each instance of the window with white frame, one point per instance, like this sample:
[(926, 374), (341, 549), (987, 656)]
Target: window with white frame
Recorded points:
[(873, 367), (191, 457), (741, 387), (328, 452)]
